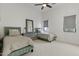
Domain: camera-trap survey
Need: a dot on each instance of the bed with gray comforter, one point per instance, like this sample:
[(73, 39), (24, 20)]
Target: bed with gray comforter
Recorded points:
[(46, 37)]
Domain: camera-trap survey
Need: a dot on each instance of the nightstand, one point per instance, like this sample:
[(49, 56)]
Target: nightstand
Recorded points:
[(31, 35)]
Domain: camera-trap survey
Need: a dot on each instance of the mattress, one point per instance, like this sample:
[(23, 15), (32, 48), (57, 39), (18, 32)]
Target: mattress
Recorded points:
[(12, 43), (46, 37)]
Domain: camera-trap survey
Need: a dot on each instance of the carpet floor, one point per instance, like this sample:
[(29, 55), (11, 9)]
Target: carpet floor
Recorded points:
[(55, 48)]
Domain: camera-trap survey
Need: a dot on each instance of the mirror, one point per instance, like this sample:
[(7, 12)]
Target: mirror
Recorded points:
[(29, 25)]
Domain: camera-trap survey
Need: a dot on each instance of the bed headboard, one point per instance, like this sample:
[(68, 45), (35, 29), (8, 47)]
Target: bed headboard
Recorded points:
[(6, 30)]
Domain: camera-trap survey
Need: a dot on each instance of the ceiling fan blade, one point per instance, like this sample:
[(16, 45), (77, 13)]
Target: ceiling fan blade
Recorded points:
[(53, 3), (45, 3), (37, 4), (42, 8), (49, 6)]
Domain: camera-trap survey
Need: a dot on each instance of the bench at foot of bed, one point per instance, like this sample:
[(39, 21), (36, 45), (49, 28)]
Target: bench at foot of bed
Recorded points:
[(22, 51), (32, 50)]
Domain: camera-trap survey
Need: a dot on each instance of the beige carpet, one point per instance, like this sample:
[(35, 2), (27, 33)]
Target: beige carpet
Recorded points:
[(55, 48)]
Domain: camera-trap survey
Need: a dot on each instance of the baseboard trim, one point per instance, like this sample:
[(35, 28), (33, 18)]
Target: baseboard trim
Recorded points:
[(67, 42)]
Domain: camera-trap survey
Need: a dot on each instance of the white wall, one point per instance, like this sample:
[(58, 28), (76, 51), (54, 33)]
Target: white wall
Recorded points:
[(45, 16), (56, 18), (15, 15)]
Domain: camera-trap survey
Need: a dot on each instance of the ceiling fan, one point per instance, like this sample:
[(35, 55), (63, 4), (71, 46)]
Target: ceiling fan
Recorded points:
[(45, 5)]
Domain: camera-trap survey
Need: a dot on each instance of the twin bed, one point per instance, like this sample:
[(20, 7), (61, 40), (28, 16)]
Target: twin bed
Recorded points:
[(47, 37), (14, 44)]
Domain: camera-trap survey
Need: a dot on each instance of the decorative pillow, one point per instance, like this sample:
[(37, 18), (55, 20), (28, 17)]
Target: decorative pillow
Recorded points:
[(14, 32)]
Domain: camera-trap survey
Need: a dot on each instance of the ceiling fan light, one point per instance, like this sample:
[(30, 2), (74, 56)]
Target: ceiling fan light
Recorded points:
[(44, 5)]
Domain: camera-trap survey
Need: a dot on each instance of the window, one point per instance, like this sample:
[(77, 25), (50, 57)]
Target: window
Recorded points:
[(45, 25), (69, 23)]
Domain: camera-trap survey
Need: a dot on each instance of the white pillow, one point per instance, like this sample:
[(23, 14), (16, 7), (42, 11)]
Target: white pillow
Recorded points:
[(14, 32)]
